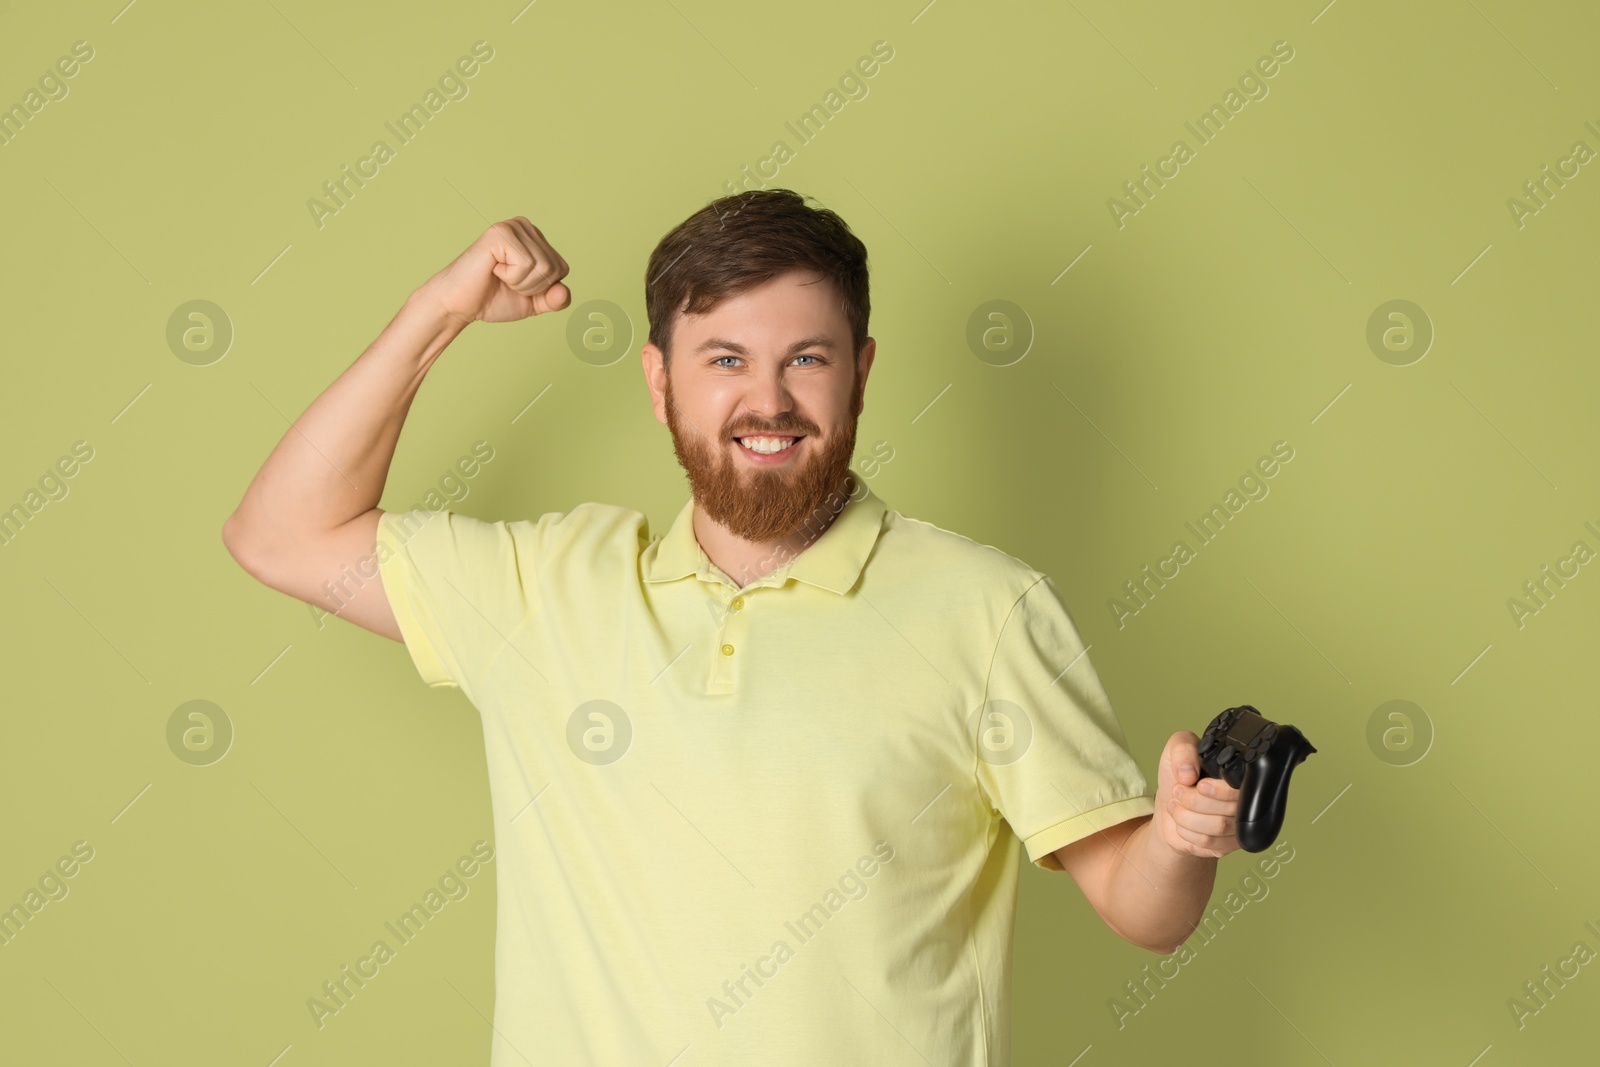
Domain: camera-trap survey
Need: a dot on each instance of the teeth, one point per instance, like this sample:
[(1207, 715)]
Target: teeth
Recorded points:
[(768, 445)]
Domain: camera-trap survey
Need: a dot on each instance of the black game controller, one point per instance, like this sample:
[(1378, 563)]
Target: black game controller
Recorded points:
[(1256, 757)]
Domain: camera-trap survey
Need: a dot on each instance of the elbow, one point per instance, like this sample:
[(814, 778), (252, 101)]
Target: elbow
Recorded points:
[(238, 543), (231, 536), (1166, 947), (1159, 948)]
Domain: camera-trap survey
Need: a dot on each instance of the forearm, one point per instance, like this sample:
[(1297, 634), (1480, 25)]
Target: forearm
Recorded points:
[(332, 463), (1156, 895)]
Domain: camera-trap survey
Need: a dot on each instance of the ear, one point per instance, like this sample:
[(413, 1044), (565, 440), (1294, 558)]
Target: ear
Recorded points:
[(869, 348), (655, 378)]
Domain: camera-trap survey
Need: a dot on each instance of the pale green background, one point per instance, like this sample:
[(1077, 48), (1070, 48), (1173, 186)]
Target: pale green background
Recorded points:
[(1225, 316)]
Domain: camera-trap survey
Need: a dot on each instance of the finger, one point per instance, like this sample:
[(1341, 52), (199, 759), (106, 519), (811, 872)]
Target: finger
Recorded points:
[(515, 260), (1217, 787), (532, 274), (560, 260), (1195, 800), (555, 257), (1209, 842), (548, 256), (1200, 822)]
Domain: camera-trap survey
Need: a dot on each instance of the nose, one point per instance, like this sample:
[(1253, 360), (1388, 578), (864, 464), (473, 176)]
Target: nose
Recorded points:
[(769, 398)]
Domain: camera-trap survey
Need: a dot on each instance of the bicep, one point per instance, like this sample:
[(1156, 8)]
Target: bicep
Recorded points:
[(336, 572)]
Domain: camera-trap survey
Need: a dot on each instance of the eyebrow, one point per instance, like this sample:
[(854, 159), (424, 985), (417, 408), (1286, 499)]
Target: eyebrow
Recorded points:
[(722, 343)]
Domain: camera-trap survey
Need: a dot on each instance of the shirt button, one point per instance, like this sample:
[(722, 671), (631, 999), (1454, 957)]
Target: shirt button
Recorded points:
[(738, 602), (727, 650)]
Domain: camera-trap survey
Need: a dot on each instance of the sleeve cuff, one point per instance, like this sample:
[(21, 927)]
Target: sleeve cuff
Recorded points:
[(397, 588), (1042, 845)]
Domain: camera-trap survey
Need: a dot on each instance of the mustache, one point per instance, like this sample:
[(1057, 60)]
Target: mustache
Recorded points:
[(768, 432)]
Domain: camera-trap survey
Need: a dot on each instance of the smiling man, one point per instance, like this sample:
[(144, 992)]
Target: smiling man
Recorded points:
[(761, 784), (762, 468)]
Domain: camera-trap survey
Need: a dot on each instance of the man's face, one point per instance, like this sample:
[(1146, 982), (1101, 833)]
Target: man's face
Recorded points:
[(774, 361)]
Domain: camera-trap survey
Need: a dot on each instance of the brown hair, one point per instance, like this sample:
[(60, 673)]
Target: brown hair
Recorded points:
[(738, 242)]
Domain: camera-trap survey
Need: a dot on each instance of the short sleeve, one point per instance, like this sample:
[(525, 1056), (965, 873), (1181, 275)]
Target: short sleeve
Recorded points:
[(460, 588), (1051, 754)]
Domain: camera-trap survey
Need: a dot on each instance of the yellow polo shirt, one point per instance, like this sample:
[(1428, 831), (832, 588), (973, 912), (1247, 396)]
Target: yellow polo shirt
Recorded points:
[(774, 825)]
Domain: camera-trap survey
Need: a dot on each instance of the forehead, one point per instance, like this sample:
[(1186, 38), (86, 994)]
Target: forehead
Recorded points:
[(795, 304)]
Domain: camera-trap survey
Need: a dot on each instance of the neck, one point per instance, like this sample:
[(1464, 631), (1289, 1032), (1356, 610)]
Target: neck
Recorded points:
[(747, 561)]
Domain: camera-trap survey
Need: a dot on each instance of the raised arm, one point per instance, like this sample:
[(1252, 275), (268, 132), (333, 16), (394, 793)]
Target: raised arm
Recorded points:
[(311, 512)]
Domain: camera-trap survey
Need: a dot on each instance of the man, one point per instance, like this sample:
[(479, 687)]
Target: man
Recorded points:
[(760, 785)]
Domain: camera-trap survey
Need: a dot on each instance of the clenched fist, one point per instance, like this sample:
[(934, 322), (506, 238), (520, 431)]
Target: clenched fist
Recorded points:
[(1194, 816), (509, 273)]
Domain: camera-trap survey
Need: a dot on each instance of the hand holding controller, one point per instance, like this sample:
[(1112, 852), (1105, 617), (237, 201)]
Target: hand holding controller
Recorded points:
[(1256, 757)]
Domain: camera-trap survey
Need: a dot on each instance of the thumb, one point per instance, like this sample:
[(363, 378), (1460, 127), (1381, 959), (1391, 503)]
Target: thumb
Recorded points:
[(1182, 758), (554, 298)]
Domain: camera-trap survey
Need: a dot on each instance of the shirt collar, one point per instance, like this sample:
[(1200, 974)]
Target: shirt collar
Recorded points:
[(833, 561)]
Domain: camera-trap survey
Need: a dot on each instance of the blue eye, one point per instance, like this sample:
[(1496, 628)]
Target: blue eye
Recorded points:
[(719, 359)]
